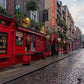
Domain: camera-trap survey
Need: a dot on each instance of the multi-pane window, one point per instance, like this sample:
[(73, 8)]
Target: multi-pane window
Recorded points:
[(30, 43), (33, 43), (3, 43), (19, 38), (45, 15), (34, 15)]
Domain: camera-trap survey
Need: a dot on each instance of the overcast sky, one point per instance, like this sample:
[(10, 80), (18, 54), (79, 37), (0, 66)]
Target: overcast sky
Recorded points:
[(76, 8)]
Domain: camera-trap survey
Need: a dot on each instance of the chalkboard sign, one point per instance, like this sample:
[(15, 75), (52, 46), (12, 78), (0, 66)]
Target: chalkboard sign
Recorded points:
[(3, 43)]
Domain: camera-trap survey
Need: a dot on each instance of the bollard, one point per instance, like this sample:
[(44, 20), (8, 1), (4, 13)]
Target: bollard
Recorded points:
[(26, 59)]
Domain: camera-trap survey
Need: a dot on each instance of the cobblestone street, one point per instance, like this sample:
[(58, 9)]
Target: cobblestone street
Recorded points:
[(66, 71)]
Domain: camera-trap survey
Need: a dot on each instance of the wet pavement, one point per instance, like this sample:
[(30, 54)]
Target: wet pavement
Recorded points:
[(67, 71)]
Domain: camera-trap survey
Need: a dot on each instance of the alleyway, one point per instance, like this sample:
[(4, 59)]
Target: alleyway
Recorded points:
[(66, 71)]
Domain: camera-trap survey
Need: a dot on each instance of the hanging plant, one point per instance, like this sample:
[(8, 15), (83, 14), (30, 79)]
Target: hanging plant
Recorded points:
[(48, 32), (3, 11), (48, 37), (65, 36), (59, 34), (62, 24), (19, 17), (31, 5), (36, 24)]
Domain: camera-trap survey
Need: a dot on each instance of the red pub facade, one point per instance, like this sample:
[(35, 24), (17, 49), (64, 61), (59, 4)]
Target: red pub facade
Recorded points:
[(22, 45), (18, 44)]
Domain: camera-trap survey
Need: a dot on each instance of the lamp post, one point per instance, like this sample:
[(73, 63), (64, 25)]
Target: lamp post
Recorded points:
[(59, 39), (59, 48)]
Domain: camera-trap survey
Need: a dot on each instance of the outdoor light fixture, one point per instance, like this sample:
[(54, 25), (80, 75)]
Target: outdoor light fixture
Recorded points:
[(64, 41), (59, 39)]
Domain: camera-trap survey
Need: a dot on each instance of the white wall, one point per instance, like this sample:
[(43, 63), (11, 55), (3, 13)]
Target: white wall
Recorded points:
[(34, 15), (3, 3)]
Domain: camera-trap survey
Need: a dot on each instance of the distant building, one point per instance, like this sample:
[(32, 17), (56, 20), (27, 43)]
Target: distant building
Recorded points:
[(79, 37)]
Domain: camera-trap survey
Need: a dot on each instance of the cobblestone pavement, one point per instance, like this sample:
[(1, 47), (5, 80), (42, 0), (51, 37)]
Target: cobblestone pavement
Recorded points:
[(67, 71)]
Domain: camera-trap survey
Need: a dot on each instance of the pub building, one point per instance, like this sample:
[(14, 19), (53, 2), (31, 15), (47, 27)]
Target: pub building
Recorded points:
[(19, 44)]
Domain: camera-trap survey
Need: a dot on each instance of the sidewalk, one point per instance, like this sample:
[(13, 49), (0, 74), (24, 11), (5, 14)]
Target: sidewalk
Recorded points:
[(16, 71)]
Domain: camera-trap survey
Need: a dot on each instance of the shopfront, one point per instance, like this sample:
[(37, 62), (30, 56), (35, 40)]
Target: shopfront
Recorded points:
[(6, 38), (16, 42)]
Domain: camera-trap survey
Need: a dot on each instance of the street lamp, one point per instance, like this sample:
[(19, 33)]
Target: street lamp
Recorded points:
[(64, 41), (59, 39)]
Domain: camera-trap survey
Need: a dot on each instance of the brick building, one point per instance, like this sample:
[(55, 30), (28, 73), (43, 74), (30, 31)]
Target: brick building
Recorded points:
[(44, 13), (70, 23), (44, 6), (78, 36)]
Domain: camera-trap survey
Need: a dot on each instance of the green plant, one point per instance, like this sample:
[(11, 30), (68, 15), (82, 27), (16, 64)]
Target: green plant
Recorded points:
[(59, 22), (19, 17), (62, 35), (59, 34), (36, 24), (3, 11), (48, 32), (75, 38), (48, 37), (62, 24), (65, 36), (31, 5)]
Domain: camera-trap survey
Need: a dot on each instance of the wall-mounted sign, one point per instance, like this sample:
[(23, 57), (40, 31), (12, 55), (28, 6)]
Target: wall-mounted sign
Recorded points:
[(53, 13), (3, 43), (17, 8)]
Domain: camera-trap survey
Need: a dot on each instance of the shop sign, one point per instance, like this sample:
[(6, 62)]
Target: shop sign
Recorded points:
[(53, 13)]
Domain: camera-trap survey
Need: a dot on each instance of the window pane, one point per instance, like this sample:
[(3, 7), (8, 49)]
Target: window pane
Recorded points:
[(45, 15), (3, 43), (28, 43), (33, 44), (19, 38)]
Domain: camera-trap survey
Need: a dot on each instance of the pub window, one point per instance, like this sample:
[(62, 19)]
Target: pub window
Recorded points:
[(19, 38), (28, 43), (33, 43), (3, 43)]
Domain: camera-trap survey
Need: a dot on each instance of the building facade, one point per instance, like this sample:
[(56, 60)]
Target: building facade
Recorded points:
[(47, 12), (79, 37)]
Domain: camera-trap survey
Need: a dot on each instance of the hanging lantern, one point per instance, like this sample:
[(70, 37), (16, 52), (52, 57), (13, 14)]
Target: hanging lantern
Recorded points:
[(26, 22)]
